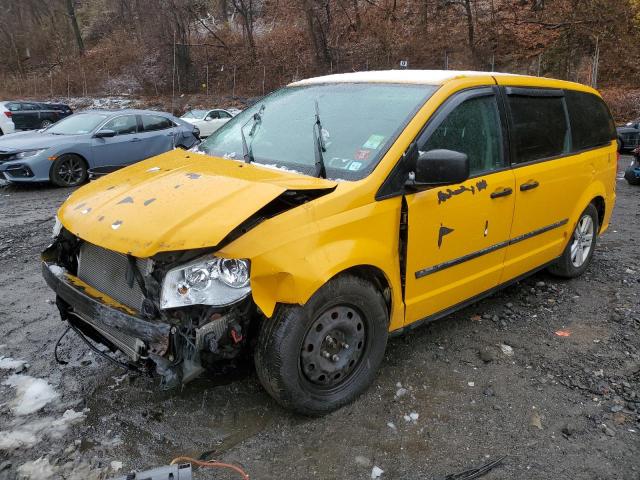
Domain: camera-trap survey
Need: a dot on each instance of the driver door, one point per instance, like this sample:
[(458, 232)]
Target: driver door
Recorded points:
[(458, 234)]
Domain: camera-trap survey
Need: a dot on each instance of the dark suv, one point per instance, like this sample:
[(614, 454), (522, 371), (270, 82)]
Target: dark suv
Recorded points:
[(629, 135), (35, 115)]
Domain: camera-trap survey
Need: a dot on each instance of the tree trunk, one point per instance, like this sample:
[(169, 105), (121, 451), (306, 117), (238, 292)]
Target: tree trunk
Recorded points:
[(71, 11)]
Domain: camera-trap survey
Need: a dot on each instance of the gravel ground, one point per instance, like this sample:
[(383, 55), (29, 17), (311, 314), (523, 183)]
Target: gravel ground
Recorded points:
[(494, 379)]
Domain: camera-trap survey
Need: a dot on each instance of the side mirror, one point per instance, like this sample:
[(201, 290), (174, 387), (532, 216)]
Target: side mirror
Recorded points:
[(105, 134), (441, 167)]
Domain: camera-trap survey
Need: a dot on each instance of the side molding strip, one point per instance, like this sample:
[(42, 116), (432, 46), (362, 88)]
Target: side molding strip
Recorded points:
[(457, 261)]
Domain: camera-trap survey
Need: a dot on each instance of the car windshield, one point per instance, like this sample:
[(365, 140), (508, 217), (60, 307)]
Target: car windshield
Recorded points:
[(77, 124), (360, 121), (199, 114)]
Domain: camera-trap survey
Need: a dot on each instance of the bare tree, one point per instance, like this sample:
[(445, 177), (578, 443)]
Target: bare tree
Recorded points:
[(71, 12)]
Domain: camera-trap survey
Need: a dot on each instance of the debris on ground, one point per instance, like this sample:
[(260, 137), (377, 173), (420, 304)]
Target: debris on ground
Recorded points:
[(376, 472), (563, 333), (475, 472), (506, 349), (536, 420)]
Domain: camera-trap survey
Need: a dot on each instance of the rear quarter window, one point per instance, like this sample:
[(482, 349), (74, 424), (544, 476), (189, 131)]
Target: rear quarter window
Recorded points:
[(539, 126), (591, 122), (152, 123)]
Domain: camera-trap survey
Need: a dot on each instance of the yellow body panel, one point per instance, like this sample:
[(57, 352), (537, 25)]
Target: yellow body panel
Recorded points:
[(443, 231), (175, 201), (181, 201)]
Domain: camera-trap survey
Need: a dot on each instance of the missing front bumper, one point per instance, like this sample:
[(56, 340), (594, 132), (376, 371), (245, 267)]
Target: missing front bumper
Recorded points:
[(119, 326)]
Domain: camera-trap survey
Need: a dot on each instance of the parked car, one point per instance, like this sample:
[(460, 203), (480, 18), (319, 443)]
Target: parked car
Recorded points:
[(208, 121), (6, 123), (632, 172), (36, 115), (628, 136), (65, 151), (311, 227)]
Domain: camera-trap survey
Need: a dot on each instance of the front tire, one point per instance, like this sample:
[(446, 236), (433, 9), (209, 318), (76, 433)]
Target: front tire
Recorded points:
[(579, 251), (320, 356), (68, 170)]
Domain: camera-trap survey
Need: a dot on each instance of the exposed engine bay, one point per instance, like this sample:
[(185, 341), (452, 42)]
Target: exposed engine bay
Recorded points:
[(115, 301)]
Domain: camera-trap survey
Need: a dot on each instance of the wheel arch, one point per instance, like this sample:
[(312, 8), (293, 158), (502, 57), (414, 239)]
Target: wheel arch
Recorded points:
[(80, 156), (374, 275), (595, 194), (601, 208), (287, 288)]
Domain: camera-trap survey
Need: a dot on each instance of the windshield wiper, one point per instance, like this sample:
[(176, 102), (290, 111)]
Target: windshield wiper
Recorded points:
[(247, 152), (318, 144)]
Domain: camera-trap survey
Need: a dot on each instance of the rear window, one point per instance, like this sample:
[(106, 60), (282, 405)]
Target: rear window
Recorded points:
[(540, 128), (591, 122), (155, 122)]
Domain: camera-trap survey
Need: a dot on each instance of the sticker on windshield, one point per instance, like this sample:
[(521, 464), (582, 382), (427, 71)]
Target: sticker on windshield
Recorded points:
[(337, 162), (353, 166), (374, 142), (362, 154)]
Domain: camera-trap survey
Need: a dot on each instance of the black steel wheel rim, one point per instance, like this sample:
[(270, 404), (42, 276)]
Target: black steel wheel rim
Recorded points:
[(333, 347), (70, 170)]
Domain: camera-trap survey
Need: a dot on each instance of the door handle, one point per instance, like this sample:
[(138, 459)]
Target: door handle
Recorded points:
[(530, 185), (505, 192), (135, 140)]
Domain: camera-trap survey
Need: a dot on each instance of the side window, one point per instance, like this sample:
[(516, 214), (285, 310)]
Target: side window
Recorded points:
[(473, 128), (30, 106), (13, 107), (213, 114), (591, 122), (224, 114), (151, 123), (122, 125), (540, 128)]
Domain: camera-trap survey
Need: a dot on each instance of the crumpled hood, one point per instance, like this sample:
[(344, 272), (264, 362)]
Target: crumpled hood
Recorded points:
[(175, 201), (31, 141)]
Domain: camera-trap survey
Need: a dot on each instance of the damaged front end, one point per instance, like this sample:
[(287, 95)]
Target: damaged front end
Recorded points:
[(171, 314)]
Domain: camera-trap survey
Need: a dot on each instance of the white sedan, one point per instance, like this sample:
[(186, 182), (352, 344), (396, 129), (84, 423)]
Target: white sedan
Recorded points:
[(208, 121)]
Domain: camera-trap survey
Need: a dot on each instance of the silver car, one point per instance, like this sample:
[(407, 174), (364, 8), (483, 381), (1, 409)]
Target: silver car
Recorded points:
[(93, 139)]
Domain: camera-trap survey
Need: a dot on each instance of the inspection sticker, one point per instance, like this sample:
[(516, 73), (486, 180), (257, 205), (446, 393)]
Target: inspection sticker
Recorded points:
[(353, 166), (374, 142), (362, 154)]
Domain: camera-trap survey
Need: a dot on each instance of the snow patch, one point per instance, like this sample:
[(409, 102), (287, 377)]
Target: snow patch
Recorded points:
[(273, 166), (8, 363), (39, 469), (28, 435), (57, 270), (32, 393)]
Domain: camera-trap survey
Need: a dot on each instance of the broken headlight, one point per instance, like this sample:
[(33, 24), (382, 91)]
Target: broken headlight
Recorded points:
[(206, 281)]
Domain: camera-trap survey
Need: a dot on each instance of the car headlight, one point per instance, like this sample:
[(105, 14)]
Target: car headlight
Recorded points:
[(26, 154), (206, 281), (57, 228)]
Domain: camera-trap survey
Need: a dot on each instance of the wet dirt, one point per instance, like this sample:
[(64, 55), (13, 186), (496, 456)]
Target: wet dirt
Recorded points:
[(559, 407)]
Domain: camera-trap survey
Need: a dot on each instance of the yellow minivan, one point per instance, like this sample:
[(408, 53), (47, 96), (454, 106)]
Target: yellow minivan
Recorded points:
[(332, 213)]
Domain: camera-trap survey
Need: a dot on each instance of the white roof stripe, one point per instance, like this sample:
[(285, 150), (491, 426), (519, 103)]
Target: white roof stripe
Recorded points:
[(423, 77)]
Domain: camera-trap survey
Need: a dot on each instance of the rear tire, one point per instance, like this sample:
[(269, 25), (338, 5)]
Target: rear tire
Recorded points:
[(46, 124), (68, 170), (579, 251), (320, 356)]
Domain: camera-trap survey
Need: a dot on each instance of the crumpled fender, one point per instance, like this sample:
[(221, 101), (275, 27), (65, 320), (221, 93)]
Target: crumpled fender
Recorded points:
[(288, 265)]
